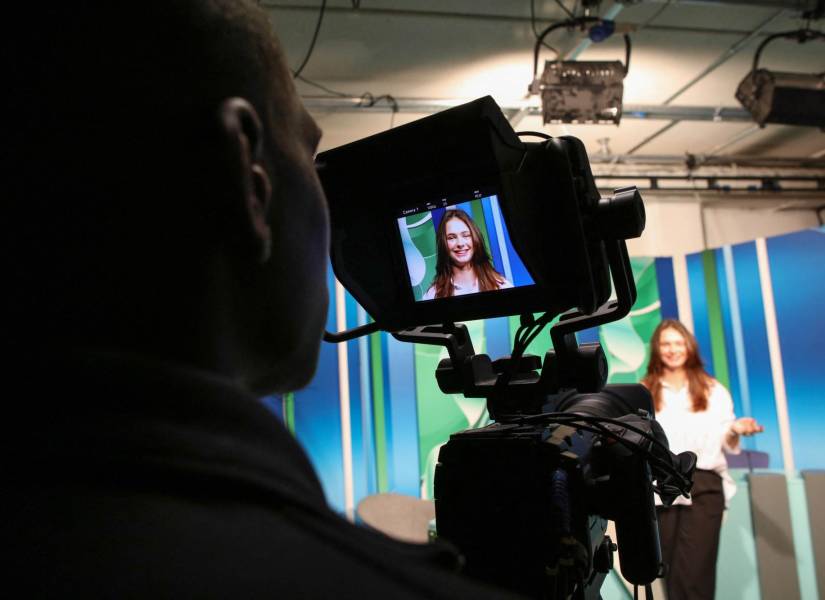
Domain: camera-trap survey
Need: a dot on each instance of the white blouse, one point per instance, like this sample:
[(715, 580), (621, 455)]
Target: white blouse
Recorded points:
[(460, 291), (704, 432)]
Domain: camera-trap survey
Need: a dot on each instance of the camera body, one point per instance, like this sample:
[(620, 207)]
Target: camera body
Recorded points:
[(454, 217), (528, 502)]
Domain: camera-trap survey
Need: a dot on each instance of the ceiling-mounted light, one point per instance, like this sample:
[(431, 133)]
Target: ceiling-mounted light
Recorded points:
[(782, 97), (580, 91)]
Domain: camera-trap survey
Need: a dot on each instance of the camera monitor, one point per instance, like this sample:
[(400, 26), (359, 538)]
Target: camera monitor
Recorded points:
[(459, 245), (454, 217)]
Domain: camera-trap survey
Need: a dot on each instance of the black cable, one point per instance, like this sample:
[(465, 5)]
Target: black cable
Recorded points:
[(368, 101), (597, 423), (627, 47), (535, 31), (660, 463), (521, 340), (553, 417), (324, 88), (647, 454), (540, 41), (368, 96), (540, 325), (297, 71), (373, 100), (529, 335), (553, 27), (801, 35), (350, 334), (535, 133)]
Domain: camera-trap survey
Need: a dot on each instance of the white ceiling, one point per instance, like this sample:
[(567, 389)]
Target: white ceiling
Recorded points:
[(463, 49)]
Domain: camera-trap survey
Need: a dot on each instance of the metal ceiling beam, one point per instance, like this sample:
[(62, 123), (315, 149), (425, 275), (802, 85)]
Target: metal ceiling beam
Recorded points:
[(732, 183), (720, 60), (794, 5), (724, 57), (497, 17), (354, 104), (699, 161)]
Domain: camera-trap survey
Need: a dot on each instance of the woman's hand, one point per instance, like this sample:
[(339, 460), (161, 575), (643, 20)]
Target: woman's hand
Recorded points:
[(746, 426)]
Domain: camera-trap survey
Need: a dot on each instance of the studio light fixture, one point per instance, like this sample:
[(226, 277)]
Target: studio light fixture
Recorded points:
[(579, 91), (782, 97)]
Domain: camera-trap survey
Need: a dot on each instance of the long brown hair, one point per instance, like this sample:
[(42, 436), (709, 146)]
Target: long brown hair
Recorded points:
[(698, 380), (488, 278)]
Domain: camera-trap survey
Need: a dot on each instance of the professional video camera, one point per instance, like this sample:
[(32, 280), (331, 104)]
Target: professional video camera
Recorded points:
[(454, 217)]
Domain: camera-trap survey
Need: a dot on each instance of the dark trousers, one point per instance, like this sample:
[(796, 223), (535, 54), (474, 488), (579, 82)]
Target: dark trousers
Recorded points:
[(690, 540)]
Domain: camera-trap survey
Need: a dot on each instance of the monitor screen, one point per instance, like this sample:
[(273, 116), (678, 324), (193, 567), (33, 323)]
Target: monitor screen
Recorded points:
[(459, 245)]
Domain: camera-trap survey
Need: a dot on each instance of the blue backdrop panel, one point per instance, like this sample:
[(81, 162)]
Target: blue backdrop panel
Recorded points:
[(699, 305), (727, 328), (757, 357), (797, 271), (497, 332), (360, 413), (588, 336), (366, 410), (495, 250), (667, 288), (402, 430), (318, 415)]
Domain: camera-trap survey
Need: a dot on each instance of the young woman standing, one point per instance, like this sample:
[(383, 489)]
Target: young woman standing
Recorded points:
[(696, 413)]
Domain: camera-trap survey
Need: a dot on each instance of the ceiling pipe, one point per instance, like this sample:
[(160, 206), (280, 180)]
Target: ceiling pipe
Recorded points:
[(698, 161), (525, 108), (811, 7), (610, 14)]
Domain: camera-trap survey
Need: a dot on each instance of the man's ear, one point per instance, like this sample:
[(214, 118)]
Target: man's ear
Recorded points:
[(249, 186)]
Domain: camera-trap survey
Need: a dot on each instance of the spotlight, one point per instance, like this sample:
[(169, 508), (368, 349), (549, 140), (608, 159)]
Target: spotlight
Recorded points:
[(781, 97), (574, 91), (582, 91)]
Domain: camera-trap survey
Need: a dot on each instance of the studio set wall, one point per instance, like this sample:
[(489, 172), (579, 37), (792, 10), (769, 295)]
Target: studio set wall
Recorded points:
[(373, 418)]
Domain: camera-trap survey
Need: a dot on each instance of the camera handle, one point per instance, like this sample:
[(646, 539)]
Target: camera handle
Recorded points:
[(524, 389)]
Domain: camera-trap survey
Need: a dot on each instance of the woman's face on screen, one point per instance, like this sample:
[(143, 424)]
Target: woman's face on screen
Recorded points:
[(459, 242)]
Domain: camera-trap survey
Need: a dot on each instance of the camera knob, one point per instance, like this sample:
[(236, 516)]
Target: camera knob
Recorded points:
[(622, 215)]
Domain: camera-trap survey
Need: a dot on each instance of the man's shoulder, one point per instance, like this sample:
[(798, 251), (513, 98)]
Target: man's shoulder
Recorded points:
[(188, 543), (185, 487)]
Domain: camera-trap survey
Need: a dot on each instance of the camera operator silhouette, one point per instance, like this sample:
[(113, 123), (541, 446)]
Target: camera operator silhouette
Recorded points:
[(463, 264), (165, 265)]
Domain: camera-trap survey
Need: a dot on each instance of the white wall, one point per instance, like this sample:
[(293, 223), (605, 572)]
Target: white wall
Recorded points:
[(732, 226), (675, 225)]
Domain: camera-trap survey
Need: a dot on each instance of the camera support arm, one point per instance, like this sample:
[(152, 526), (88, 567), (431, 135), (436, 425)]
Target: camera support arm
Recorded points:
[(584, 367), (567, 366), (454, 337)]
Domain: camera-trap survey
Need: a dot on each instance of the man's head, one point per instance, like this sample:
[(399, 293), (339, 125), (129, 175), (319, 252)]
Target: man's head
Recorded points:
[(163, 196)]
